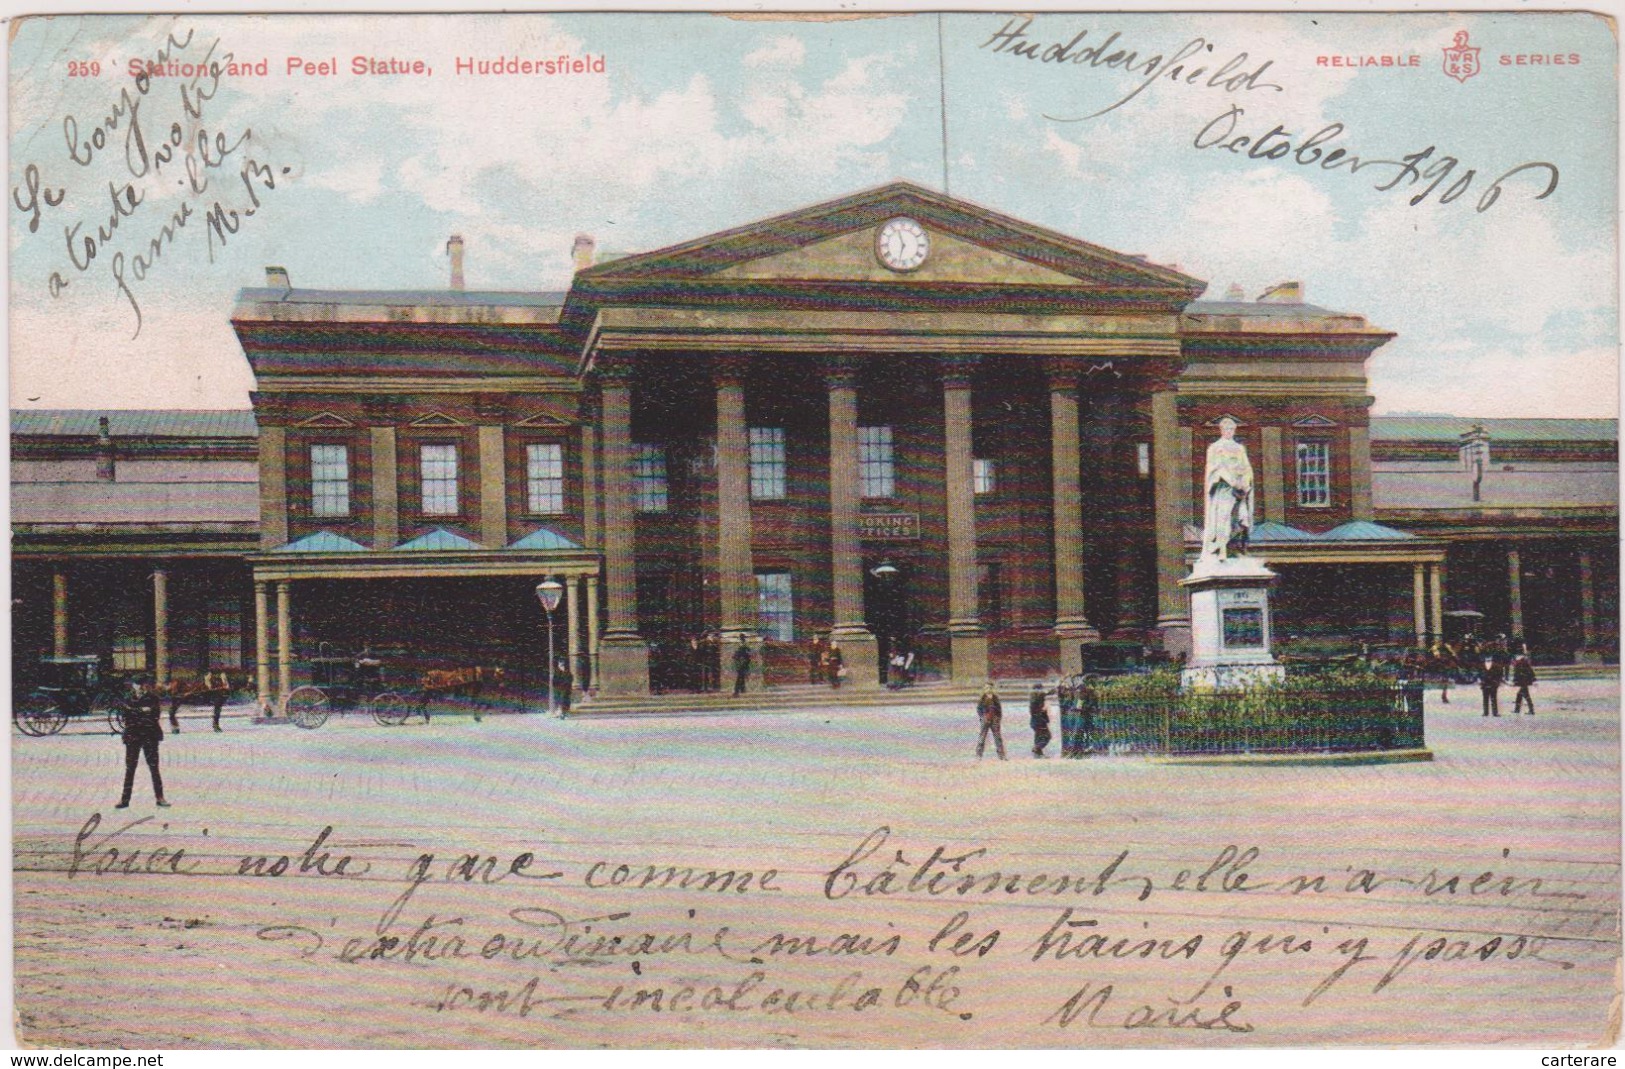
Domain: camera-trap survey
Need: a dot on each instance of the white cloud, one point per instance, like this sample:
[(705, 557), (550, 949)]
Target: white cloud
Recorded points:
[(784, 52)]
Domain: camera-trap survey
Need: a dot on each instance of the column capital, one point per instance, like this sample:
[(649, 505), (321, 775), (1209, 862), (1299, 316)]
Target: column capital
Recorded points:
[(1161, 376), (378, 410), (490, 406), (958, 369), (729, 369), (1063, 372), (613, 368), (841, 372)]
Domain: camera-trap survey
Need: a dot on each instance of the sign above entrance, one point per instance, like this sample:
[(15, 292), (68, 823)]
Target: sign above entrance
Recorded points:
[(889, 526)]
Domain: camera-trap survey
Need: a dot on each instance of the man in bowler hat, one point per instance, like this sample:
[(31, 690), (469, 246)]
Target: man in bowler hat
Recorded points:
[(142, 734)]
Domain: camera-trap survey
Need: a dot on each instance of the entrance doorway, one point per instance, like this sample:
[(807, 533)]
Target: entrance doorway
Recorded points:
[(888, 603)]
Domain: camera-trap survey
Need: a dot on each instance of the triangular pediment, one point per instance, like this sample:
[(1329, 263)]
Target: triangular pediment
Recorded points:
[(326, 419), (835, 242), (1314, 422), (437, 419), (543, 419)]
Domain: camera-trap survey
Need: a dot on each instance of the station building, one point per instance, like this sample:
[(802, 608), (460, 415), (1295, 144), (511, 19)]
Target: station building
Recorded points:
[(894, 419)]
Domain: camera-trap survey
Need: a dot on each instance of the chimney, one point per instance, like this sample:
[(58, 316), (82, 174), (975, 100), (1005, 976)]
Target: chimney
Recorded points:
[(1283, 293), (583, 250), (1235, 292), (454, 247), (104, 451), (277, 278)]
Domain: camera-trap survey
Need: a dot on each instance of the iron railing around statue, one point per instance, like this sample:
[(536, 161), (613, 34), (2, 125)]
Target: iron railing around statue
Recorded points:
[(1283, 719)]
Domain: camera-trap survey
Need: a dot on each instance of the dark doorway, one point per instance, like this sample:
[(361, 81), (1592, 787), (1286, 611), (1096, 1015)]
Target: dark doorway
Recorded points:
[(888, 601)]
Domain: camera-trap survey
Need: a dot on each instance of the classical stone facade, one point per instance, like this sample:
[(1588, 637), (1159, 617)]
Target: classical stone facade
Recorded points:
[(980, 453)]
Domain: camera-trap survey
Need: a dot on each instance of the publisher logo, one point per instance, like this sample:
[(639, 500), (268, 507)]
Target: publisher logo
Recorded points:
[(1461, 59)]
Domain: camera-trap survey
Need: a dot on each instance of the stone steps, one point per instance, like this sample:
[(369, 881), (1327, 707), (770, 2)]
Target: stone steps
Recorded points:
[(800, 696)]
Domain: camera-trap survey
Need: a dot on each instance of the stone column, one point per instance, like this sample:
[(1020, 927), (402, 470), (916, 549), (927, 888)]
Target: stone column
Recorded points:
[(1515, 593), (1274, 480), (572, 616), (1172, 496), (262, 650), (1071, 626), (284, 644), (734, 570), (857, 643), (160, 626), (624, 653), (1589, 653), (967, 639), (493, 489), (1419, 602), (592, 629), (273, 443), (386, 510), (59, 612), (1436, 579), (590, 497), (1360, 473)]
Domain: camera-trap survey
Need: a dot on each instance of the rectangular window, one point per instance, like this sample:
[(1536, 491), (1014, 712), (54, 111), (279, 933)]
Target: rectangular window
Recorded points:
[(877, 474), (223, 626), (1314, 474), (544, 477), (775, 606), (329, 480), (439, 480), (767, 463), (989, 598), (1142, 459), (649, 477), (129, 653), (984, 476)]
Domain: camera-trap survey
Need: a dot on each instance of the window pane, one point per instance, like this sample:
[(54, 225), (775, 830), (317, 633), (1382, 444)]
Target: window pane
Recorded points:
[(439, 480), (129, 653), (983, 476), (1314, 474), (329, 480), (767, 463), (544, 474), (876, 472), (649, 477), (775, 606)]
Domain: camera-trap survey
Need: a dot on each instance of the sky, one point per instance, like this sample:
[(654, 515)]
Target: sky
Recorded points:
[(687, 124)]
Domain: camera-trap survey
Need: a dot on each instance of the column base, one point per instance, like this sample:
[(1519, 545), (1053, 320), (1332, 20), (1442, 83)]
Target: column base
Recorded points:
[(1070, 637), (754, 678), (623, 665), (860, 656), (1175, 636)]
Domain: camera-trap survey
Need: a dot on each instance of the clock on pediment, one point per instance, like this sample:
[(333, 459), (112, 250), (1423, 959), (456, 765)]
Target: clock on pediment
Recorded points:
[(902, 244)]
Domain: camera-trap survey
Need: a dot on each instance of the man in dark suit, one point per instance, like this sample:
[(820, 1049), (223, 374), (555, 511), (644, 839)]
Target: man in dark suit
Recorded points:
[(142, 734), (563, 685), (1523, 677), (1489, 682), (741, 666)]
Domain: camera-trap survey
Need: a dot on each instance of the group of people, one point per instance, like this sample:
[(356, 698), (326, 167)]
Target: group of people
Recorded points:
[(990, 717), (825, 663), (1490, 663)]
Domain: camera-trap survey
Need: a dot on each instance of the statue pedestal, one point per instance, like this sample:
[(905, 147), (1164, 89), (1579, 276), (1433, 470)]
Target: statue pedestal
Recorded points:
[(1230, 625)]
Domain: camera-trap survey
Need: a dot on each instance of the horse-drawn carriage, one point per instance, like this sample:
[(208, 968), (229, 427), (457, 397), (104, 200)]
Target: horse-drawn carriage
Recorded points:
[(339, 684), (70, 688)]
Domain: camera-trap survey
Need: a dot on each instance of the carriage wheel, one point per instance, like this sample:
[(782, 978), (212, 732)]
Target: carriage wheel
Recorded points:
[(41, 716), (391, 709), (115, 719), (107, 701), (307, 707)]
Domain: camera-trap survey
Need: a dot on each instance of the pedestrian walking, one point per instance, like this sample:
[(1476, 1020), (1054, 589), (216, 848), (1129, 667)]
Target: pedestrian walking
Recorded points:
[(1523, 677), (563, 685), (1489, 681), (142, 734), (894, 670), (815, 660), (989, 713), (741, 666), (1038, 717)]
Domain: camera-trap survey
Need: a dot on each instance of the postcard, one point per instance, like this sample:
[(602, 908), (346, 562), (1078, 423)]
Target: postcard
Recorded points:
[(906, 530)]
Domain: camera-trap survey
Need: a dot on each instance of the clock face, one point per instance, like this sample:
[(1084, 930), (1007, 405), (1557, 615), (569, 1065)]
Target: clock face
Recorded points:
[(902, 244)]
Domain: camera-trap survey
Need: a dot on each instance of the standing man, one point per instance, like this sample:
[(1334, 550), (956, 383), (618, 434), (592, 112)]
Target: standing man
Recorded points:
[(990, 713), (1489, 681), (1523, 677), (142, 734), (741, 666), (834, 663), (563, 684), (1038, 716)]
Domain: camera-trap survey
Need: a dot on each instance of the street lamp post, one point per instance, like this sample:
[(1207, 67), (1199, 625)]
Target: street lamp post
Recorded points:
[(548, 592)]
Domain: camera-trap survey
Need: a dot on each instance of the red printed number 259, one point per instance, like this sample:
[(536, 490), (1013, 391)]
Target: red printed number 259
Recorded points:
[(89, 69)]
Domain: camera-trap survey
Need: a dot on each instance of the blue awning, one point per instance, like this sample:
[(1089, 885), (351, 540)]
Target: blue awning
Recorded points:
[(321, 542), (544, 538), (1364, 531), (437, 539)]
